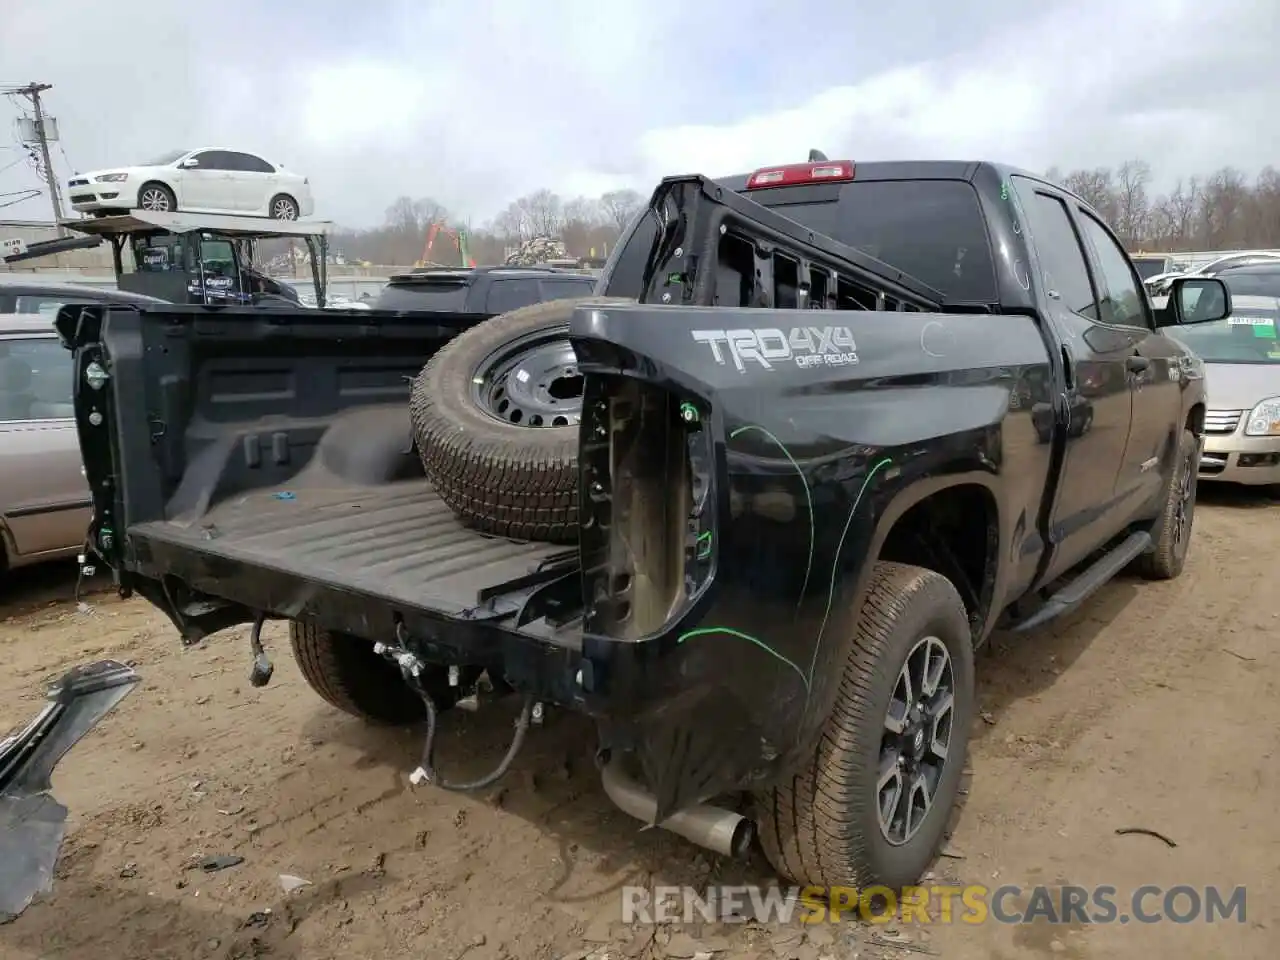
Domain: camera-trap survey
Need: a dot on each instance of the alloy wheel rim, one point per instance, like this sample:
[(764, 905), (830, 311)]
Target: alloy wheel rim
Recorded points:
[(916, 740), (154, 200)]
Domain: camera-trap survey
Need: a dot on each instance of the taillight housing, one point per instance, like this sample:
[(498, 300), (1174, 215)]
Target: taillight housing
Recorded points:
[(794, 174)]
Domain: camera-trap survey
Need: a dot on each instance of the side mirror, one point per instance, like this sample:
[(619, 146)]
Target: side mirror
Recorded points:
[(1198, 300), (190, 162)]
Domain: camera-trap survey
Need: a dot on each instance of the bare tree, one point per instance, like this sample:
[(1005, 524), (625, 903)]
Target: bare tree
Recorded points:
[(1133, 211), (620, 206), (1096, 188), (402, 215), (542, 214)]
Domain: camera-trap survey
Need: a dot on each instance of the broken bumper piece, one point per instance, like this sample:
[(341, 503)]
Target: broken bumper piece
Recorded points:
[(31, 820)]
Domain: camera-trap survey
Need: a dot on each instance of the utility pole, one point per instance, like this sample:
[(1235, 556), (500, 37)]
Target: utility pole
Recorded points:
[(32, 92)]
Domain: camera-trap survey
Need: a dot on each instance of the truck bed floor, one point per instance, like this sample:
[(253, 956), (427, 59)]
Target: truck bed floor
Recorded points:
[(397, 541)]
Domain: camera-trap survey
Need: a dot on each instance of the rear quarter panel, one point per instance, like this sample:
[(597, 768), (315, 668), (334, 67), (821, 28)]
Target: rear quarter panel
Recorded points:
[(817, 461)]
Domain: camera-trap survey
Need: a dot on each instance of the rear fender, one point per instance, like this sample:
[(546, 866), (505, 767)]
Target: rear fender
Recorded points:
[(731, 511)]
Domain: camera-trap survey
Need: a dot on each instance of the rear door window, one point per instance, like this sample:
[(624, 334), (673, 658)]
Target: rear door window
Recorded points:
[(35, 380), (1063, 268), (511, 294)]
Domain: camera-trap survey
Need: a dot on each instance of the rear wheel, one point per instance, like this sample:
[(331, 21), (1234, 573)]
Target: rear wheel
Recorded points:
[(284, 207), (346, 672), (157, 198), (871, 807)]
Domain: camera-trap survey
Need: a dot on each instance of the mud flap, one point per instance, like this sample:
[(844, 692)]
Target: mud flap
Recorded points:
[(31, 820)]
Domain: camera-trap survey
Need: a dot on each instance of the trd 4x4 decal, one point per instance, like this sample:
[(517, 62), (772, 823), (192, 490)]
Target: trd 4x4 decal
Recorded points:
[(767, 346)]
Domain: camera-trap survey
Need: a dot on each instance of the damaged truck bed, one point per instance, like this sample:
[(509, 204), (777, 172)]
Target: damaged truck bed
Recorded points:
[(809, 482)]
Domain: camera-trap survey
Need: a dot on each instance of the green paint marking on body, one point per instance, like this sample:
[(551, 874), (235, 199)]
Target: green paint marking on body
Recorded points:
[(754, 641), (703, 548), (835, 561), (808, 497), (805, 679)]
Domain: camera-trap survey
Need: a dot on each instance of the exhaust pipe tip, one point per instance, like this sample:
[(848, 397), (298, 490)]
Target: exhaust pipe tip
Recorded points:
[(742, 837), (722, 831)]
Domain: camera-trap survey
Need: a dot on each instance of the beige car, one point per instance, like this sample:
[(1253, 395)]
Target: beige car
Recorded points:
[(1241, 357), (44, 497)]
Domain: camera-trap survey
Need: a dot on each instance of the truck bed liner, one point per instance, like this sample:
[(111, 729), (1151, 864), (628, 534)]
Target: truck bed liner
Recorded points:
[(397, 541)]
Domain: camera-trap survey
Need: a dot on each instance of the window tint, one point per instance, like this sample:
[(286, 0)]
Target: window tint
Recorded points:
[(511, 294), (1123, 301), (1062, 261), (251, 164), (214, 160), (1253, 284), (564, 289), (35, 380), (432, 297), (931, 229)]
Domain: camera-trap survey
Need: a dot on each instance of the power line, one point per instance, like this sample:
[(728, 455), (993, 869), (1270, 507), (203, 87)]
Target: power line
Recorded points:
[(40, 129)]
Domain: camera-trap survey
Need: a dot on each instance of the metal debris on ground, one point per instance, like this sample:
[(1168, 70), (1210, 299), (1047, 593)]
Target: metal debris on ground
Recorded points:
[(290, 883), (212, 864)]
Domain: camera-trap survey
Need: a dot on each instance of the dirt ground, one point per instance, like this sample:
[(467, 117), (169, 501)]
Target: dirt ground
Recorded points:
[(1153, 707)]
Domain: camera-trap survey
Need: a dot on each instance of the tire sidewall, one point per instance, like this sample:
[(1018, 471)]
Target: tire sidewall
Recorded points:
[(1188, 450), (935, 610)]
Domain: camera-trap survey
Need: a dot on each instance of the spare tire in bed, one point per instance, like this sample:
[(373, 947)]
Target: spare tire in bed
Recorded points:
[(495, 416)]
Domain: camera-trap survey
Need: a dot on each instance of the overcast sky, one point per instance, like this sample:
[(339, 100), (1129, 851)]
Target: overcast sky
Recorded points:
[(474, 103)]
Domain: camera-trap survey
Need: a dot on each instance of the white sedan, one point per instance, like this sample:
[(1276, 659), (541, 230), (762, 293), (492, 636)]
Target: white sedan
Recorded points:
[(208, 180)]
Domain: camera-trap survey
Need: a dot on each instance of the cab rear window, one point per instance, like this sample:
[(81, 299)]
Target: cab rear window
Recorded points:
[(931, 229)]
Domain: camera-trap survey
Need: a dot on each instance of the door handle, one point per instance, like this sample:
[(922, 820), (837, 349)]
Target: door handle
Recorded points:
[(1136, 364)]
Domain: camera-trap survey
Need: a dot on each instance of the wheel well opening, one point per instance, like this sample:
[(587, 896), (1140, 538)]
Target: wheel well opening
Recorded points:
[(953, 532), (1195, 420)]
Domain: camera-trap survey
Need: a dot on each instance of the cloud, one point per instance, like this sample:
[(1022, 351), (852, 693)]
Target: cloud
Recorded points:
[(474, 103)]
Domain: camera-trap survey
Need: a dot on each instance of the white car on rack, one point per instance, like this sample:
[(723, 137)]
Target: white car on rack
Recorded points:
[(207, 180)]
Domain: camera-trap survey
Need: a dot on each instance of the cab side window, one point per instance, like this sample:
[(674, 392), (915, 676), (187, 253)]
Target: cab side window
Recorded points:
[(1123, 301)]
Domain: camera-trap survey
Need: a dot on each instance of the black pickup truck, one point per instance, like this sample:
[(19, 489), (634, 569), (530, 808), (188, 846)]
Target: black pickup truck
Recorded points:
[(836, 424)]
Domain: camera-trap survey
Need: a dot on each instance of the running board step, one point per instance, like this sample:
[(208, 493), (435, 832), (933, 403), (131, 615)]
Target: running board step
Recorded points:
[(1099, 572)]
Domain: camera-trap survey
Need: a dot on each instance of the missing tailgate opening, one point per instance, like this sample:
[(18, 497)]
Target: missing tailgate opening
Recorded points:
[(650, 504)]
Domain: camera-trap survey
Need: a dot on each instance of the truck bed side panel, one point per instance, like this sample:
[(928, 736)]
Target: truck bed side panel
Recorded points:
[(814, 458)]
